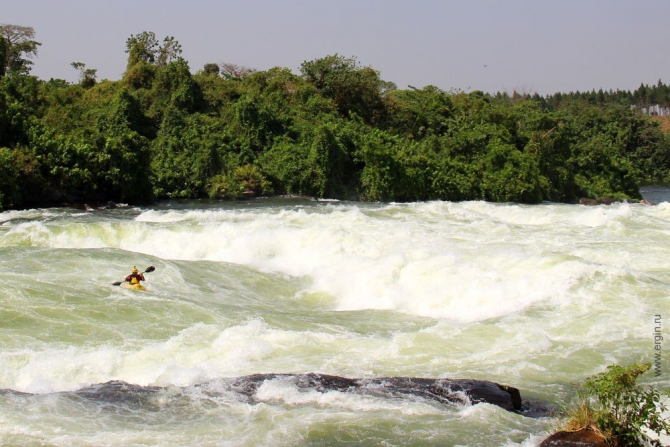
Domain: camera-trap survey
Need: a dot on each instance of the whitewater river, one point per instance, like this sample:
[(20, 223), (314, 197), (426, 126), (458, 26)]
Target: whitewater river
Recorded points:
[(536, 297)]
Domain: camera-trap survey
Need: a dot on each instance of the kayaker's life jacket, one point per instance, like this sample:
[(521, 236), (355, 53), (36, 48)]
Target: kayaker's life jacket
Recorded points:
[(135, 278)]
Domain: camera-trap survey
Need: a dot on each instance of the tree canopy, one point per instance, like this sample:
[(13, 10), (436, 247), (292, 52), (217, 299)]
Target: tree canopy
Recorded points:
[(335, 129)]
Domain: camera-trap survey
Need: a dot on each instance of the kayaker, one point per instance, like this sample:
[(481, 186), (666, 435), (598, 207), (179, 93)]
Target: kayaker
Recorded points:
[(135, 277)]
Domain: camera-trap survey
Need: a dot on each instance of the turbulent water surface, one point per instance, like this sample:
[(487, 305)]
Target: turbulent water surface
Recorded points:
[(536, 297)]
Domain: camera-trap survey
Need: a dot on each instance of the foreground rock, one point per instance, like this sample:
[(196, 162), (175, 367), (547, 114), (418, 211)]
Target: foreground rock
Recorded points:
[(448, 391), (579, 438)]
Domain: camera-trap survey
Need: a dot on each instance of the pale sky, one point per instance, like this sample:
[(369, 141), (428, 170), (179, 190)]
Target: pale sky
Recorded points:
[(542, 46)]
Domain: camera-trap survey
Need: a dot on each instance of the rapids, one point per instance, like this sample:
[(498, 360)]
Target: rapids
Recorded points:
[(536, 297)]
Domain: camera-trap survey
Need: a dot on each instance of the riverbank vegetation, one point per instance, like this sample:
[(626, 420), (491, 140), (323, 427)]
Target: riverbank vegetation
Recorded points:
[(336, 129), (623, 412)]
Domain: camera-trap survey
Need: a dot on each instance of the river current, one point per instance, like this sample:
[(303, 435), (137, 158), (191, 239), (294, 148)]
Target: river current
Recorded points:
[(536, 297)]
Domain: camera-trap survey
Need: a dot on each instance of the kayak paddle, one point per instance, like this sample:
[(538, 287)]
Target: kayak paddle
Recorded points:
[(149, 269)]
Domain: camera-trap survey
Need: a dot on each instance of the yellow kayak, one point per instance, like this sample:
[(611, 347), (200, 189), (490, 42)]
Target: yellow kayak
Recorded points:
[(137, 286)]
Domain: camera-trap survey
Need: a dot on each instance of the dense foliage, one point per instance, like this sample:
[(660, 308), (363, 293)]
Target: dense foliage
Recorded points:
[(624, 412), (334, 130)]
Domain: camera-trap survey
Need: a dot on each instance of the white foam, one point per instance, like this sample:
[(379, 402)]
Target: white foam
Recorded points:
[(196, 354), (468, 261), (284, 392)]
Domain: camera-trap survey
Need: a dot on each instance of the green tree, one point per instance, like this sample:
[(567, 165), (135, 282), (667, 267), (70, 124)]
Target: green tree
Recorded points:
[(10, 192), (141, 47), (509, 175), (335, 130), (354, 89), (144, 47), (186, 155), (419, 113), (211, 69), (169, 51), (16, 48), (21, 181), (19, 102), (87, 76), (146, 55), (174, 87)]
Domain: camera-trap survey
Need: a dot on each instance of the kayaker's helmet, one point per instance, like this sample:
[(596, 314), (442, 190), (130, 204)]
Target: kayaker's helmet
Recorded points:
[(134, 269)]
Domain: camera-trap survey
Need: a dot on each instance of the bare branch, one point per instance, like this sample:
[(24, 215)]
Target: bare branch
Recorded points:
[(234, 71)]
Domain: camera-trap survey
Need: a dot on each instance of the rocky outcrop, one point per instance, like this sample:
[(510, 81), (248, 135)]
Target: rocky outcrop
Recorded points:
[(441, 390), (447, 391), (580, 438)]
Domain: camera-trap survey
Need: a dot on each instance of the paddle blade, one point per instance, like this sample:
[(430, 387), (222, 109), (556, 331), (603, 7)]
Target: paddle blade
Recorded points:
[(150, 269), (118, 283)]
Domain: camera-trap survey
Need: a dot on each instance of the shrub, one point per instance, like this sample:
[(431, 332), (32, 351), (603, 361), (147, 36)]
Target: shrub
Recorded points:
[(253, 180), (613, 404), (224, 186), (9, 187), (245, 179)]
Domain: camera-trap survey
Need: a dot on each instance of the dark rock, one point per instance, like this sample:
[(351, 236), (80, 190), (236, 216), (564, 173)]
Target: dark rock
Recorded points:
[(608, 200), (448, 391), (533, 408), (600, 201), (580, 438), (117, 391), (587, 201), (78, 206), (441, 390)]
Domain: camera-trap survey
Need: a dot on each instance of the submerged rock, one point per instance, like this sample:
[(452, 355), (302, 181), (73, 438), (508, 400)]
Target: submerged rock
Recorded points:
[(117, 392), (447, 391), (607, 201), (587, 201), (600, 201), (442, 390)]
